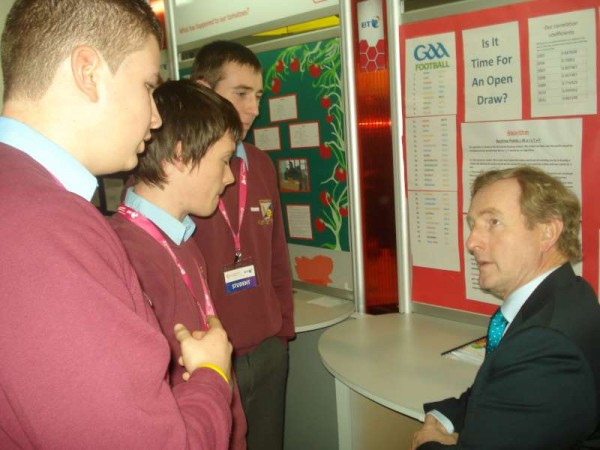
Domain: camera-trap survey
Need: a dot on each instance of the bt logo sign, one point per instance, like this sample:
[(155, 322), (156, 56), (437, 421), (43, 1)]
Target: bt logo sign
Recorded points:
[(430, 51), (373, 23)]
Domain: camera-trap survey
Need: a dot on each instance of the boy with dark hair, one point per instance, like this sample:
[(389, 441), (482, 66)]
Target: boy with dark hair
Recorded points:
[(84, 362), (244, 245), (183, 171)]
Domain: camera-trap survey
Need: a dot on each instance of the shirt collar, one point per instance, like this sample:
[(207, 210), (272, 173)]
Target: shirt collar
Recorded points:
[(177, 231), (515, 301), (56, 160), (240, 152)]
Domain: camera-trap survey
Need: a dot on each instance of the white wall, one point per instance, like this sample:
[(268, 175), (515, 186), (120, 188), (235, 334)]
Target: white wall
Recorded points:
[(5, 6)]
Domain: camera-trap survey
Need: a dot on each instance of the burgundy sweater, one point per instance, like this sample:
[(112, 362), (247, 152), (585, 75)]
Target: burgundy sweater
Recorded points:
[(84, 363), (172, 302), (252, 315)]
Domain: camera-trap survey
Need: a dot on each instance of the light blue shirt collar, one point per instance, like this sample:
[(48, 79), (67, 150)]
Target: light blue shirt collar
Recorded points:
[(177, 231), (517, 299), (56, 160), (240, 152)]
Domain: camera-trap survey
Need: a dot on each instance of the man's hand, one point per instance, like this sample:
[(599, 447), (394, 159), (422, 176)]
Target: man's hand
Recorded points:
[(433, 430), (204, 347)]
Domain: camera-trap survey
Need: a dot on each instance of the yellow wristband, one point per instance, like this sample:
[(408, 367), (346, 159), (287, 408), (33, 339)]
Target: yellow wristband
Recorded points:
[(216, 369)]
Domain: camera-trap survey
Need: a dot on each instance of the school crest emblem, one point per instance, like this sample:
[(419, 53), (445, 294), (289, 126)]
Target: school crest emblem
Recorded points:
[(266, 211)]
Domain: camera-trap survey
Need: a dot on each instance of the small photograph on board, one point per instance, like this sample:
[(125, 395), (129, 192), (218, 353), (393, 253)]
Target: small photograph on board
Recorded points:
[(113, 189), (293, 175)]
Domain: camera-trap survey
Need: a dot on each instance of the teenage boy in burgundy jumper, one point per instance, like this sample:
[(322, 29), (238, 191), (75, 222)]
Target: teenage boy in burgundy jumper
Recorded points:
[(183, 171), (246, 252), (84, 362)]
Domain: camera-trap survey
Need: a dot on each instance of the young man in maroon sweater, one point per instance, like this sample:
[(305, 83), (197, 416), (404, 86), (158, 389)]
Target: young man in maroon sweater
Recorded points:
[(246, 252), (84, 362), (183, 171)]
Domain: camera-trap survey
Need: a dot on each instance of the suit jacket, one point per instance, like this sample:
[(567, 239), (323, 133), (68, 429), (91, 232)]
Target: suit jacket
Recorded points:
[(540, 389)]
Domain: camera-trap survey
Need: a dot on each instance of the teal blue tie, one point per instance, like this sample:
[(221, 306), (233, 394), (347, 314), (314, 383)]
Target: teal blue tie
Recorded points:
[(495, 330)]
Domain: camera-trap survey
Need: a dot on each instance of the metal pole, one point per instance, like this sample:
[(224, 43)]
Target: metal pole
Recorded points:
[(394, 10), (171, 39), (352, 156)]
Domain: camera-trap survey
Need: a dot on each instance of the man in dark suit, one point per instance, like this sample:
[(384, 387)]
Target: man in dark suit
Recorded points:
[(540, 387)]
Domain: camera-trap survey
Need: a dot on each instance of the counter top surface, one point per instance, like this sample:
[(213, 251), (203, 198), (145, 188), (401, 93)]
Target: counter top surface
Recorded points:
[(395, 359), (313, 311)]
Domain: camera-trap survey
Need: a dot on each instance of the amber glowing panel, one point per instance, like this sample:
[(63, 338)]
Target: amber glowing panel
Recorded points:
[(376, 177)]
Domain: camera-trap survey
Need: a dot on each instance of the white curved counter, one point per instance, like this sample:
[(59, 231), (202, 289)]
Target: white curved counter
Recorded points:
[(395, 360), (313, 311)]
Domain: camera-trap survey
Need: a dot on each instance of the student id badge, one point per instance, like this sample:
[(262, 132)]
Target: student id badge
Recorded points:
[(240, 276)]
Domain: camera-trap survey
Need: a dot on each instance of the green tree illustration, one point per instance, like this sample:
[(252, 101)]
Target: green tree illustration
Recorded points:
[(321, 62)]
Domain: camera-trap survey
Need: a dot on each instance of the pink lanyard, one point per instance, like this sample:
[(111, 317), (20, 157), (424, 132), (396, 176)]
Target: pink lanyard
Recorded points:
[(242, 205), (137, 219)]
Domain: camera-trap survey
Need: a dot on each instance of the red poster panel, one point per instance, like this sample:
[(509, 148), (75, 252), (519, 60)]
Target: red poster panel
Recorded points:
[(523, 88)]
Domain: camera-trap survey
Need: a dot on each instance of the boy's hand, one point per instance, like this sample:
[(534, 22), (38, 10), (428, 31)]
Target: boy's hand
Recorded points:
[(204, 347)]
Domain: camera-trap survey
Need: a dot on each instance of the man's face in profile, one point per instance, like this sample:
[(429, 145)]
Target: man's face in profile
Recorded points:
[(508, 252)]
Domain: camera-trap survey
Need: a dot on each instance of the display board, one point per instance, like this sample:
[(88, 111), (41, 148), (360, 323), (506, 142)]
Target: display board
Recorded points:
[(205, 20), (300, 126), (109, 193), (493, 88)]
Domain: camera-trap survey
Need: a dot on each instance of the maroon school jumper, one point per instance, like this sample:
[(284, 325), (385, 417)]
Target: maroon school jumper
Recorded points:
[(84, 363), (172, 302), (253, 315)]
